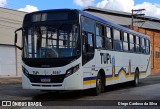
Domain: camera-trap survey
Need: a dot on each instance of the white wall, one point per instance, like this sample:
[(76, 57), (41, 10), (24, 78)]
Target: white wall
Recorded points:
[(10, 20)]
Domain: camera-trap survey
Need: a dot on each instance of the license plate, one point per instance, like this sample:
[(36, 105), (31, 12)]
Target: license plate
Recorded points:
[(45, 80)]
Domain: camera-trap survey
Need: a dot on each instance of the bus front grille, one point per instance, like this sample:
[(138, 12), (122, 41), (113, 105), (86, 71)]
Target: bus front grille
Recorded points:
[(51, 78)]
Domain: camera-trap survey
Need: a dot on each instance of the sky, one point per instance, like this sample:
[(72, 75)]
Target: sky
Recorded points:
[(152, 6)]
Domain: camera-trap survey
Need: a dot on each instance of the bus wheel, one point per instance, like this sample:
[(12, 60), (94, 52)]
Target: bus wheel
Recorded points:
[(135, 82), (99, 84)]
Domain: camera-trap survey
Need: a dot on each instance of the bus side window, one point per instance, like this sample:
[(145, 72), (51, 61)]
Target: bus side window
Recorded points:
[(137, 42), (108, 39), (100, 39), (132, 43), (88, 43), (143, 44), (147, 47), (90, 47), (117, 40), (125, 42)]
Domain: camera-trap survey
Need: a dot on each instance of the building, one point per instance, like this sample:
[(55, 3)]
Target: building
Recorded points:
[(10, 57), (151, 27)]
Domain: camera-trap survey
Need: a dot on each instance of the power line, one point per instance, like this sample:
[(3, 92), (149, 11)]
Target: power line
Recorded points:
[(137, 16)]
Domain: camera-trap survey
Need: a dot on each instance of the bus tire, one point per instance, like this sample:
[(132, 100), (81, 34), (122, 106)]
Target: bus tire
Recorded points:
[(135, 82), (99, 85)]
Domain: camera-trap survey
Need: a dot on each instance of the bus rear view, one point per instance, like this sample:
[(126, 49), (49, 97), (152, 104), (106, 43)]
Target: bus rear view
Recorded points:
[(51, 50)]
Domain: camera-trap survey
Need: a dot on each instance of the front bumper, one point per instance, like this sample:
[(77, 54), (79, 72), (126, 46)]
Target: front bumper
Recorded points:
[(72, 82)]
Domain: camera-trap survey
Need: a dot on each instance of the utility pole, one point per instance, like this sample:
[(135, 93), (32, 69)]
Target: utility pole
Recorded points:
[(137, 17)]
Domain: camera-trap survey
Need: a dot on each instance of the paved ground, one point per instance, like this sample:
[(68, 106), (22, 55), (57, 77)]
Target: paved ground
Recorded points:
[(149, 89)]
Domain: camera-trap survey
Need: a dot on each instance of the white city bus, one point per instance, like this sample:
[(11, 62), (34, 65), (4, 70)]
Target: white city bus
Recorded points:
[(68, 49)]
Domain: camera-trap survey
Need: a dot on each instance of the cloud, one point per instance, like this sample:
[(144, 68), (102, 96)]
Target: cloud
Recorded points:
[(84, 3), (127, 5), (29, 8), (3, 3), (151, 9), (119, 5), (102, 4)]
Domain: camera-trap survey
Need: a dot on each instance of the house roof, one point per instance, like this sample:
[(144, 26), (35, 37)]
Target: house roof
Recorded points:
[(123, 18)]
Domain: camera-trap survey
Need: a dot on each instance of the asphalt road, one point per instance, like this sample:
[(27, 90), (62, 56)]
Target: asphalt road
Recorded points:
[(148, 89)]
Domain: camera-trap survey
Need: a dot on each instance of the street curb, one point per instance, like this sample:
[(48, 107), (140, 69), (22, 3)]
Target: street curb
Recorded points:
[(10, 80)]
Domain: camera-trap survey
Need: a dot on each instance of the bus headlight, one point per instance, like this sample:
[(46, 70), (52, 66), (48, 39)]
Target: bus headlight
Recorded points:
[(25, 71), (72, 70)]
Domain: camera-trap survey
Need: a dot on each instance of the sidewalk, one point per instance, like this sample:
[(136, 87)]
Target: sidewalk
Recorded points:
[(10, 80), (154, 75)]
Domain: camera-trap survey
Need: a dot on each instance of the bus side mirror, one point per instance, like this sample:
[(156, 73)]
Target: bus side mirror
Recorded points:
[(15, 41), (16, 37)]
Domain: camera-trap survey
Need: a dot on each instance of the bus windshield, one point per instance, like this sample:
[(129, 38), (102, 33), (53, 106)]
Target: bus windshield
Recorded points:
[(57, 41)]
